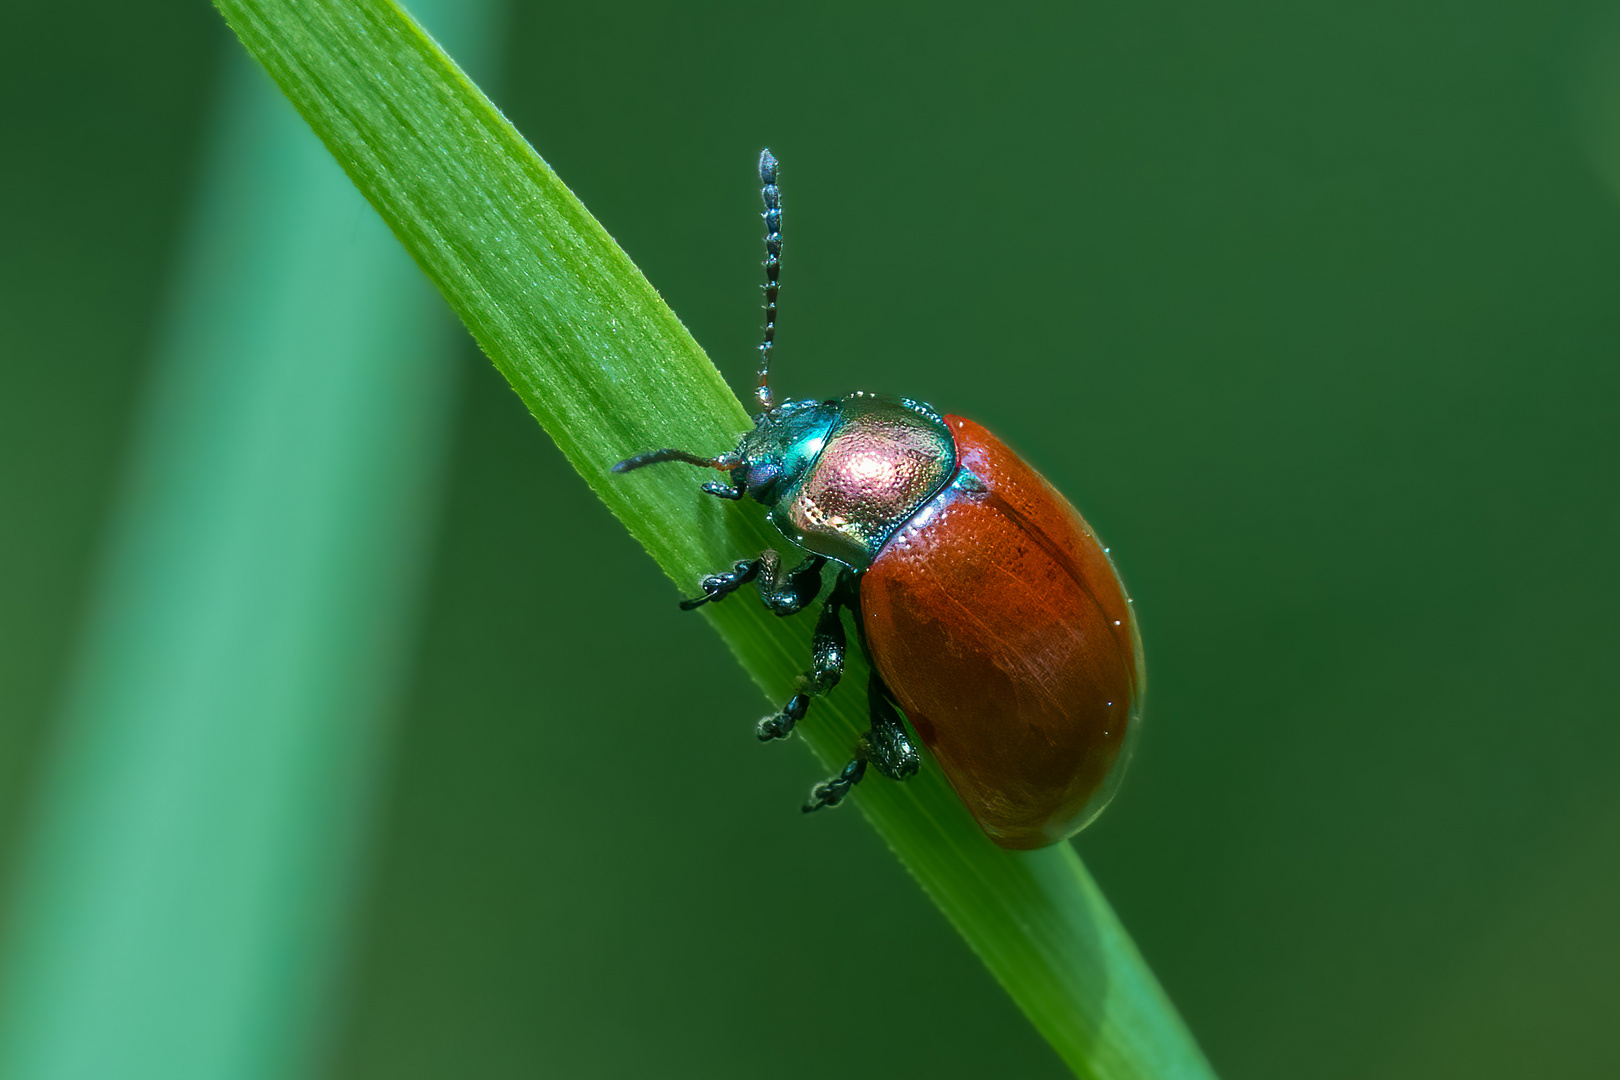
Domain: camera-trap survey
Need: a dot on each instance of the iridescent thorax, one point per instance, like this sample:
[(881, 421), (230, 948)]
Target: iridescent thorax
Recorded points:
[(875, 463)]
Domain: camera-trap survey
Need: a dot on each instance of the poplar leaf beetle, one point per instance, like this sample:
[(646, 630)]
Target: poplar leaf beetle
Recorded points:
[(993, 618)]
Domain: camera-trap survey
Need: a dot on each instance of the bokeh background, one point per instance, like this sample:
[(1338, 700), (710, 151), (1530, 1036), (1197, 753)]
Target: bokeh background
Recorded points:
[(1313, 309)]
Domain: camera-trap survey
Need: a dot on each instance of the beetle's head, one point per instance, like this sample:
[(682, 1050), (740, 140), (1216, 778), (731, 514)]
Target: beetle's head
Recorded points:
[(784, 442), (769, 459)]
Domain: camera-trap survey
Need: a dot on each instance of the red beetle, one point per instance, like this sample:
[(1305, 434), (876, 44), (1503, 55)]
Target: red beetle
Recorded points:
[(990, 612)]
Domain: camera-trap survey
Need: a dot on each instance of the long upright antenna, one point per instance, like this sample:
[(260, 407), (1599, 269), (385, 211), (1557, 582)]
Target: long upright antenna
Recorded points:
[(773, 267)]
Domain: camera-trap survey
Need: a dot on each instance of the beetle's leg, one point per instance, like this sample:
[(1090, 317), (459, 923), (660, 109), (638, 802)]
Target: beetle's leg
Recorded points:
[(717, 587), (784, 593), (888, 745), (828, 647), (788, 593), (832, 792)]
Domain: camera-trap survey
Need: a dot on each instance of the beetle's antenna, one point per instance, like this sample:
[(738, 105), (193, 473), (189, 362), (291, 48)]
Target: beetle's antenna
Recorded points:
[(773, 267), (658, 457)]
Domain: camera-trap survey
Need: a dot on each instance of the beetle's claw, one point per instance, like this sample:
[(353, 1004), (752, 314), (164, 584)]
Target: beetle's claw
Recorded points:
[(780, 725), (832, 792)]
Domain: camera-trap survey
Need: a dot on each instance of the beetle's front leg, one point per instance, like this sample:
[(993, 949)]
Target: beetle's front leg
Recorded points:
[(784, 593), (788, 592), (717, 587)]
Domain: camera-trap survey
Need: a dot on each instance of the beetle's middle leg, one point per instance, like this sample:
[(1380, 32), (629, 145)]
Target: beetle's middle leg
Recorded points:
[(828, 647)]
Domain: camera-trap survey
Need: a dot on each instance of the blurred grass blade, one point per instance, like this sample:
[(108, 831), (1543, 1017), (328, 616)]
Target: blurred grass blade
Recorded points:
[(195, 845), (608, 370)]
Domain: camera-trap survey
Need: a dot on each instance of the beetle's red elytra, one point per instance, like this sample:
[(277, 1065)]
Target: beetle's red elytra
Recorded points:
[(998, 621)]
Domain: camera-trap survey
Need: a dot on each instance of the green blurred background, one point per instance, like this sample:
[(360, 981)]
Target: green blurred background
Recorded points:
[(1314, 310)]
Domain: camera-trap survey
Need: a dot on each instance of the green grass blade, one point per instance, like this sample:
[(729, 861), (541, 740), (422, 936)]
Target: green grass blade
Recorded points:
[(182, 896), (607, 369)]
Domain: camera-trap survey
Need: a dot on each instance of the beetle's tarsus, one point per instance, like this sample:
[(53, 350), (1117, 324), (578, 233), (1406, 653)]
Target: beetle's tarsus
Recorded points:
[(716, 587), (780, 725), (832, 792), (784, 593)]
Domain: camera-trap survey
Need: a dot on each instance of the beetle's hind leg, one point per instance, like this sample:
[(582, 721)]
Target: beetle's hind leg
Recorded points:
[(887, 746), (828, 647), (832, 792)]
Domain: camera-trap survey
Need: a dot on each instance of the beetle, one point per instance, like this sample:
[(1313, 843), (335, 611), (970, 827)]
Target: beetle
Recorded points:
[(992, 616)]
